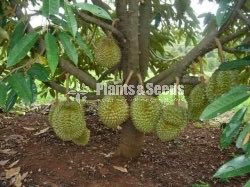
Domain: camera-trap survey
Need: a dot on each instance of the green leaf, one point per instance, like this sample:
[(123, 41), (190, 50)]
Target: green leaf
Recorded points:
[(84, 46), (235, 64), (52, 51), (224, 11), (95, 10), (3, 93), (69, 48), (50, 7), (241, 138), (33, 88), (21, 86), (59, 21), (226, 102), (232, 128), (38, 71), (11, 101), (20, 50), (71, 20), (17, 34), (236, 167)]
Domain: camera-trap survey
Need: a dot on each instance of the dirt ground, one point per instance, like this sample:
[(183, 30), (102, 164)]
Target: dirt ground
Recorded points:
[(31, 155)]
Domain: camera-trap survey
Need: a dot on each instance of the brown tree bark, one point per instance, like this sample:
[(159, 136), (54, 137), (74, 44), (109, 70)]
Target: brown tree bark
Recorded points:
[(134, 57)]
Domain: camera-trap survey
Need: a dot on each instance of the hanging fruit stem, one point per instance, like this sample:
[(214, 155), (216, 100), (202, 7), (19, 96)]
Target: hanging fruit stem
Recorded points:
[(202, 74), (127, 81), (67, 87), (141, 82), (176, 96), (220, 50)]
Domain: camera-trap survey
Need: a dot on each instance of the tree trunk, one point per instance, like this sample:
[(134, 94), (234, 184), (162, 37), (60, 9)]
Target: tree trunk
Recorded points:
[(134, 59)]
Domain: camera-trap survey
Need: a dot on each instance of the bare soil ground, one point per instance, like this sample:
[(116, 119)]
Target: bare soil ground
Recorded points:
[(31, 155)]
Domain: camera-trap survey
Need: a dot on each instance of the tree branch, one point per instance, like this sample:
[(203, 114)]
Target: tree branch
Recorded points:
[(122, 14), (144, 33), (79, 74), (133, 32), (206, 45), (244, 18), (104, 25), (106, 73), (62, 90), (239, 4)]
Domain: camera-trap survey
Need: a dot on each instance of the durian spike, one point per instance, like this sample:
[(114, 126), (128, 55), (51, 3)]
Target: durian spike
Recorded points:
[(141, 82), (130, 74), (67, 87), (176, 96), (220, 50)]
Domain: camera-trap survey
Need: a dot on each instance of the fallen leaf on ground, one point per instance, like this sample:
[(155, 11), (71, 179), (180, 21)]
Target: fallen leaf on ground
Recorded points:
[(8, 151), (12, 172), (42, 131), (107, 155), (121, 169), (29, 128), (25, 175), (3, 162), (13, 164), (18, 181)]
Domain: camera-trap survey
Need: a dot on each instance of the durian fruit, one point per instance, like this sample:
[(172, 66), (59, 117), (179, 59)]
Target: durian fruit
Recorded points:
[(53, 109), (113, 110), (172, 122), (220, 83), (83, 139), (197, 101), (145, 113), (67, 120), (244, 77), (107, 52)]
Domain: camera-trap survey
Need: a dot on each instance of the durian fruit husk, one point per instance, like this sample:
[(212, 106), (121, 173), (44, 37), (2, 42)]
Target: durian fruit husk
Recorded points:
[(83, 139), (53, 109), (113, 110), (107, 53), (172, 123), (197, 101), (67, 120), (145, 113), (220, 83)]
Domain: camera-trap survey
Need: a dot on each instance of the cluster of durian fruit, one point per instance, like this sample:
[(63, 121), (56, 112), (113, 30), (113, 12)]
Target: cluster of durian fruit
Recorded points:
[(200, 96), (147, 114), (68, 122)]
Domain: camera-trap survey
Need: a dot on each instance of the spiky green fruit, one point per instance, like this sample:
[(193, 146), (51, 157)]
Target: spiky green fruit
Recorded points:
[(68, 120), (145, 113), (53, 109), (172, 123), (107, 52), (220, 83), (84, 138), (113, 110), (197, 101)]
